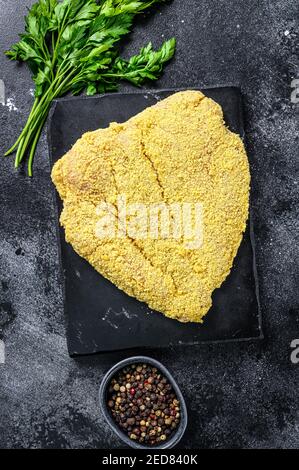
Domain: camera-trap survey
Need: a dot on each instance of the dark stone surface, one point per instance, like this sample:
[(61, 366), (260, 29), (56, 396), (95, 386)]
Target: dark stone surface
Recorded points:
[(239, 395), (102, 318)]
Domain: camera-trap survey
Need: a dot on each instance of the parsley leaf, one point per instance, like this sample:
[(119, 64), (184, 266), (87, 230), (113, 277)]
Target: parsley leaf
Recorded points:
[(71, 46)]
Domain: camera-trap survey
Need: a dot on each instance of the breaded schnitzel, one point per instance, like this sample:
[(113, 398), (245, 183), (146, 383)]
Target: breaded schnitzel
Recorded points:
[(176, 152)]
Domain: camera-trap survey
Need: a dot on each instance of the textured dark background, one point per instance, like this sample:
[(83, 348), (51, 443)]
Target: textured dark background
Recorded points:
[(239, 395)]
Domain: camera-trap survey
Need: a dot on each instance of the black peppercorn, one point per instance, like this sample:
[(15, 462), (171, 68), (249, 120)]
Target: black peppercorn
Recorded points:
[(143, 404)]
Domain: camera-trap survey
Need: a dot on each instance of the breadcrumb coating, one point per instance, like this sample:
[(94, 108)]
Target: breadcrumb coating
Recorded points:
[(178, 151)]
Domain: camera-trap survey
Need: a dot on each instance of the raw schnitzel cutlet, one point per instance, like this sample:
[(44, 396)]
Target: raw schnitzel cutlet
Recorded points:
[(176, 152)]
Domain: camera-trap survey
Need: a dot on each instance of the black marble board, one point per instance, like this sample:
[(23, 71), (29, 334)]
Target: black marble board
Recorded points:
[(102, 318)]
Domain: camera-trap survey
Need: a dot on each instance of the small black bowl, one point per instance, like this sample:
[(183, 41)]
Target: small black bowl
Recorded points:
[(103, 395)]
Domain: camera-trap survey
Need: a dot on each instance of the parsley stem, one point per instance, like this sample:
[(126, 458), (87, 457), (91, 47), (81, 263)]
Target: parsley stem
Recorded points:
[(39, 117), (34, 113), (18, 153), (34, 145), (24, 144), (11, 150)]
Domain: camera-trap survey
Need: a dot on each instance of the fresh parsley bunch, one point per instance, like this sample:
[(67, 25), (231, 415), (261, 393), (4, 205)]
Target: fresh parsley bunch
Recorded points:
[(71, 46)]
